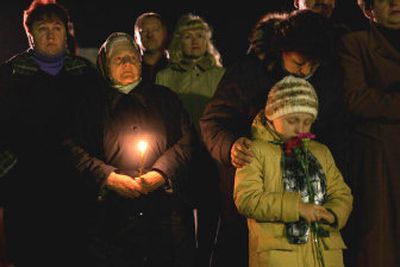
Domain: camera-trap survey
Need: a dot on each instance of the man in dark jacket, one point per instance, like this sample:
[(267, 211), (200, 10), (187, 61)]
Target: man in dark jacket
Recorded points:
[(39, 90), (280, 44), (151, 34)]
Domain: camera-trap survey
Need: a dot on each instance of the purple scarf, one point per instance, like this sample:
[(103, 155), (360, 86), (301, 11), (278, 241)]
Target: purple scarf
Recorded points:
[(50, 65)]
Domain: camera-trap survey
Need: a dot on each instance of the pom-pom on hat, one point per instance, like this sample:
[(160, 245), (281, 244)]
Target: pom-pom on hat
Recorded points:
[(291, 95)]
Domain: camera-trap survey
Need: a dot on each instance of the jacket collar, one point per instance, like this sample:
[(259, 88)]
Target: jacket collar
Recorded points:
[(203, 64), (261, 129), (25, 65), (380, 45)]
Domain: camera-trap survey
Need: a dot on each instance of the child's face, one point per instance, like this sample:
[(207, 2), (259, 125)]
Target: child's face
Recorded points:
[(291, 125)]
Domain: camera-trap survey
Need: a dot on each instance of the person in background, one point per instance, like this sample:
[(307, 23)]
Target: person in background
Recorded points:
[(283, 202), (323, 7), (72, 43), (299, 44), (371, 63), (141, 217), (193, 72), (151, 34), (44, 202)]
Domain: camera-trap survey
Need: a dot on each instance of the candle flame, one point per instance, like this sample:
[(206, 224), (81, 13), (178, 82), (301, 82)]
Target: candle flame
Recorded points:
[(142, 146)]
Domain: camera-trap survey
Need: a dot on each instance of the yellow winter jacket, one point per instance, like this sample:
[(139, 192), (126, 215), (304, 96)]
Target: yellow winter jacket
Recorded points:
[(259, 195)]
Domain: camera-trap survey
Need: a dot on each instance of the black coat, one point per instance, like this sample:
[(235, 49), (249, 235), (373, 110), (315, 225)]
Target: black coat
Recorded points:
[(43, 201), (109, 129), (114, 125)]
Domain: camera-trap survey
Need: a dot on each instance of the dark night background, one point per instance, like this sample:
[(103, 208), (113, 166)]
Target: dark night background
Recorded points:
[(94, 21)]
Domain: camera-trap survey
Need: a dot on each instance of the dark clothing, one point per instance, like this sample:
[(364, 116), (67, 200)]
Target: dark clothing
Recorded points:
[(241, 94), (155, 229), (7, 161), (372, 85), (206, 195), (149, 72), (149, 240), (227, 117), (149, 112), (195, 84), (44, 202), (391, 35)]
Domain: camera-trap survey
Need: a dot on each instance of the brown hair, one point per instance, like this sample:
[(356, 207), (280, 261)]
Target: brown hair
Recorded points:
[(38, 11)]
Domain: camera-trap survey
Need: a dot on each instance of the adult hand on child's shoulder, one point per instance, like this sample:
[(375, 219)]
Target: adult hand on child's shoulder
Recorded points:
[(241, 154)]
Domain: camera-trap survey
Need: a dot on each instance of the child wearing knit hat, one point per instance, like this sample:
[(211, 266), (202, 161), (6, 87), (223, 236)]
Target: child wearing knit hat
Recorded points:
[(291, 95), (292, 193)]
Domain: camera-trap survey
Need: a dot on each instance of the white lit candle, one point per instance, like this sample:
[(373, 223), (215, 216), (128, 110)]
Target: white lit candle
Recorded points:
[(142, 148)]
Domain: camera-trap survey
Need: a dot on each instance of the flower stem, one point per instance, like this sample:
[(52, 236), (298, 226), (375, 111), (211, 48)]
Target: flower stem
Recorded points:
[(317, 243), (311, 194)]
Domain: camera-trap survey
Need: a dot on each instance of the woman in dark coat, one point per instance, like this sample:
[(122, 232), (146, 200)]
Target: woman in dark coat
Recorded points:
[(143, 218), (44, 210), (371, 63)]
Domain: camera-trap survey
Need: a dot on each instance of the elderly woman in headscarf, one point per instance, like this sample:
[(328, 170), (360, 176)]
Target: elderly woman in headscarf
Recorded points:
[(144, 218)]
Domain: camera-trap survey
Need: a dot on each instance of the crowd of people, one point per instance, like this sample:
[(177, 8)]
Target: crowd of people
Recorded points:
[(159, 155)]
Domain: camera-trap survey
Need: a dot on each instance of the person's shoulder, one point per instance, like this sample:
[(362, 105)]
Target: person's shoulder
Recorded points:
[(217, 69), (21, 63), (159, 92), (341, 28), (245, 67), (156, 89), (265, 150), (79, 60), (165, 90), (78, 65), (355, 36), (17, 57), (7, 64), (244, 62), (318, 147), (355, 41), (260, 144), (164, 73)]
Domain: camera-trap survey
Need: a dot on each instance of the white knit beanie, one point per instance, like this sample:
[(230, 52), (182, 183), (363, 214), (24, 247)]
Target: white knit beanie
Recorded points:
[(290, 95)]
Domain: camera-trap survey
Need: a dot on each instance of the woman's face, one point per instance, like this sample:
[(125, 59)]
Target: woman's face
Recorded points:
[(291, 125), (297, 65), (124, 64), (194, 43), (387, 13), (49, 36)]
